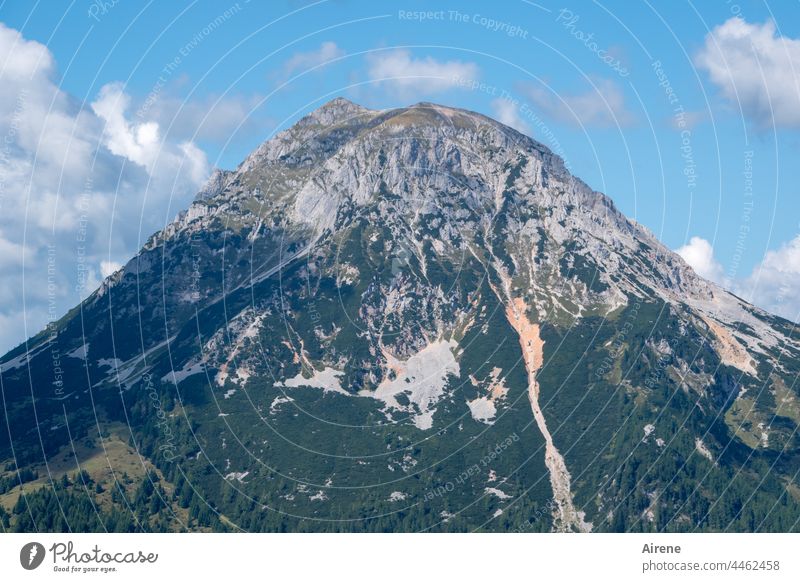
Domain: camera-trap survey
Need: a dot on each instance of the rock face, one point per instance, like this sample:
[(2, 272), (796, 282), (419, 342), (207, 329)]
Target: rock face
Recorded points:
[(417, 319)]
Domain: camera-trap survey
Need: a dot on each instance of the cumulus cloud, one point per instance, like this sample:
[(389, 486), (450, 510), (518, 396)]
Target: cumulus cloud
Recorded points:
[(756, 70), (603, 105), (326, 52), (775, 283), (699, 254), (409, 75), (507, 112), (30, 58), (137, 142), (12, 254), (108, 268), (141, 142), (70, 175)]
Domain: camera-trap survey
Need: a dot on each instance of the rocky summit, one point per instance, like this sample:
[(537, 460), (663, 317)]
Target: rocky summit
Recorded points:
[(403, 320)]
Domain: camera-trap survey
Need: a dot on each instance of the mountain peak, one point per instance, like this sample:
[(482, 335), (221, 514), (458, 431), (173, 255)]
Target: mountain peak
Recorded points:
[(337, 110), (338, 102)]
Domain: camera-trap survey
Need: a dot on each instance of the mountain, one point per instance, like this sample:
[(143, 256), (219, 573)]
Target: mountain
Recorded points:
[(404, 320)]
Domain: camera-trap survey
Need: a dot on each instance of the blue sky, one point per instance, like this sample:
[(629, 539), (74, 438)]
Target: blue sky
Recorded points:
[(192, 85)]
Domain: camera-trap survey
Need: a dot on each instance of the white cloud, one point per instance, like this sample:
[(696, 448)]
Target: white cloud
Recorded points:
[(137, 142), (409, 75), (603, 105), (12, 254), (756, 70), (30, 58), (775, 283), (699, 254), (70, 175), (108, 268), (141, 142), (326, 52), (507, 112)]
